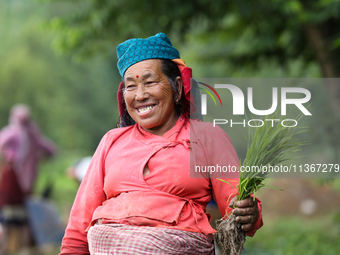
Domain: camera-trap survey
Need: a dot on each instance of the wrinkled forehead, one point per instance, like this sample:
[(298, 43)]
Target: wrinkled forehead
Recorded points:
[(144, 69)]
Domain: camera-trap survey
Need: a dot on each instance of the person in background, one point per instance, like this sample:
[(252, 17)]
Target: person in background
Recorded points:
[(138, 196), (78, 170), (22, 147)]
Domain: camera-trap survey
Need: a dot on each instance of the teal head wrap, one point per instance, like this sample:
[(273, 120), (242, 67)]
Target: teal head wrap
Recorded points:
[(136, 50)]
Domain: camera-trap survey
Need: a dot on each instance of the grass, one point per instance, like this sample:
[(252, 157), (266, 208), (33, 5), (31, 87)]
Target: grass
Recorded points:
[(296, 235), (268, 145)]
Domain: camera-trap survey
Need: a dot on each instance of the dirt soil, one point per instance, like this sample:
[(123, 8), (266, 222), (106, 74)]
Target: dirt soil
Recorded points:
[(303, 197)]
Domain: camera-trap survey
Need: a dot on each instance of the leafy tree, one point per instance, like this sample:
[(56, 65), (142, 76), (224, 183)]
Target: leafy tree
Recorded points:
[(282, 30), (74, 103), (279, 29)]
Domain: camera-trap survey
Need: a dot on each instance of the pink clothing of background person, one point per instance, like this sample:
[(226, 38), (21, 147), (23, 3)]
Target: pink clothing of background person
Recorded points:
[(22, 145)]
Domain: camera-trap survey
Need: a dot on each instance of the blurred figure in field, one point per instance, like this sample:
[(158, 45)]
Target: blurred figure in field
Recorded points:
[(78, 170), (22, 146)]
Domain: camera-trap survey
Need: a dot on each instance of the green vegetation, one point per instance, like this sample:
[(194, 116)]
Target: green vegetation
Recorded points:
[(291, 236), (54, 175), (268, 145)]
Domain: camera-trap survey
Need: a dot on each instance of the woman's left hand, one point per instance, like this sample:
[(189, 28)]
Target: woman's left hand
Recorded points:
[(246, 212)]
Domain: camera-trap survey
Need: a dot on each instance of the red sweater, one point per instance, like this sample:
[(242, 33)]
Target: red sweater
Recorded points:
[(114, 189)]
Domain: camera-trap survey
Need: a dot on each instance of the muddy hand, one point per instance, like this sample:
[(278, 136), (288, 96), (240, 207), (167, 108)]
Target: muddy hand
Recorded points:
[(246, 212)]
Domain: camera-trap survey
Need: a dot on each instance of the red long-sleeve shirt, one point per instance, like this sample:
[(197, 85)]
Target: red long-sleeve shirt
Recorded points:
[(115, 189)]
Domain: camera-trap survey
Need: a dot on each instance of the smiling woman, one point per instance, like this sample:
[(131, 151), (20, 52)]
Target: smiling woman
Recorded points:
[(149, 98), (137, 196)]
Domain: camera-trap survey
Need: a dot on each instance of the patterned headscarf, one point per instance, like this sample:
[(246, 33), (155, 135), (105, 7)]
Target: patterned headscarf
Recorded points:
[(136, 50), (155, 47)]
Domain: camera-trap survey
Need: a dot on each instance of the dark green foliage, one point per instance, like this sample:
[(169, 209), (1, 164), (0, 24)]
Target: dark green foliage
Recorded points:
[(244, 31)]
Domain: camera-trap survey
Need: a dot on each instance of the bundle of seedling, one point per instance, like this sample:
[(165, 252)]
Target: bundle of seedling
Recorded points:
[(268, 145)]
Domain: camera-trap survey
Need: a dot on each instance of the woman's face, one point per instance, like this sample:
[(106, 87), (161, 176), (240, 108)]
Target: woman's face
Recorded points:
[(149, 96)]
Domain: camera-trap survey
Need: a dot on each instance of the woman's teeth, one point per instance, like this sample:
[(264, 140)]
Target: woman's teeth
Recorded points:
[(145, 109)]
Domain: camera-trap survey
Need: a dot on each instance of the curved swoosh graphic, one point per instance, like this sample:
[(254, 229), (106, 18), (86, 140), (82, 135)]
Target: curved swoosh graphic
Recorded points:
[(218, 96), (208, 92)]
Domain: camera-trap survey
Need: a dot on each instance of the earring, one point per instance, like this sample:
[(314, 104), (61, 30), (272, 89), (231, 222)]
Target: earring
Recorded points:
[(176, 96)]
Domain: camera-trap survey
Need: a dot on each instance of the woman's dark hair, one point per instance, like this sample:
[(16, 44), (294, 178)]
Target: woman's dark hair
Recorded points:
[(170, 69)]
